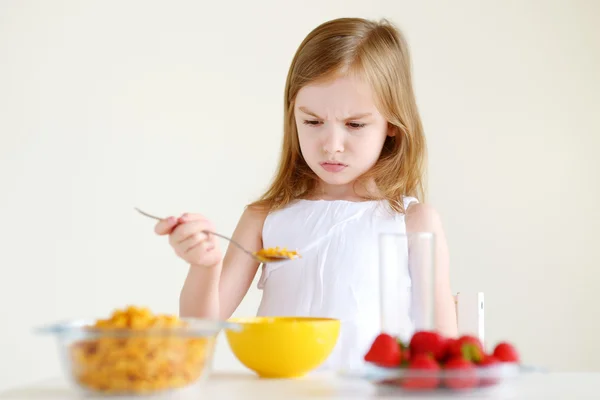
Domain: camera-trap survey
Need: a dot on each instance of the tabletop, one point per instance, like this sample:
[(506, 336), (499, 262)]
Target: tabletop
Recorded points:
[(222, 384)]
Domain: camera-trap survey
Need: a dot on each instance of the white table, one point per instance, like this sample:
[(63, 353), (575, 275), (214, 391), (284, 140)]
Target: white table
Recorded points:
[(236, 385)]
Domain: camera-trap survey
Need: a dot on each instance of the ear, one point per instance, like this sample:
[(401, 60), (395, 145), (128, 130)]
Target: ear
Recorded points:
[(391, 130)]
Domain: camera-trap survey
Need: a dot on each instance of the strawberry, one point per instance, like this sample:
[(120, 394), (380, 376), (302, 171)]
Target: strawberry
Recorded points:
[(422, 373), (384, 352), (466, 347), (489, 375), (506, 352), (428, 342), (460, 374), (450, 343), (488, 361)]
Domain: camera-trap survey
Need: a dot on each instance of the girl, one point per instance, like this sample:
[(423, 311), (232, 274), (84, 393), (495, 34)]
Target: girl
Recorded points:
[(352, 165)]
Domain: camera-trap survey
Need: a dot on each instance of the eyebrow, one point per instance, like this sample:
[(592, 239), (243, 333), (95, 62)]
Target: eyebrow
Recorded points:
[(356, 116)]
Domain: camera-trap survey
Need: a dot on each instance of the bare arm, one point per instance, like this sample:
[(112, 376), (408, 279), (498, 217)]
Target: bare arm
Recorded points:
[(423, 218), (239, 269), (216, 292)]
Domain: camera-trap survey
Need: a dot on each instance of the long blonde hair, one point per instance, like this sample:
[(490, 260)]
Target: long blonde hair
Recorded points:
[(376, 51)]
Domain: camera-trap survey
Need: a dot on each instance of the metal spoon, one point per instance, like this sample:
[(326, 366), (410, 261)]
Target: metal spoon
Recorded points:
[(253, 254)]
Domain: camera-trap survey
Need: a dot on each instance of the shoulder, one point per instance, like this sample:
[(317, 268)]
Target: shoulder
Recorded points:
[(250, 223), (422, 217), (254, 215)]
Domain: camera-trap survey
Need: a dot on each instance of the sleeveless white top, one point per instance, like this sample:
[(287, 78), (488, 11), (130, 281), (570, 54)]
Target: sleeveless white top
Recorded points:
[(338, 273)]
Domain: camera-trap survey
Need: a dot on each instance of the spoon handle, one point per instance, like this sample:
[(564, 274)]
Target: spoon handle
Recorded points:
[(148, 215), (207, 232), (239, 246)]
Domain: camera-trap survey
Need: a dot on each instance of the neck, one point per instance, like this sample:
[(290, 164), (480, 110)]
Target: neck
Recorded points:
[(351, 191)]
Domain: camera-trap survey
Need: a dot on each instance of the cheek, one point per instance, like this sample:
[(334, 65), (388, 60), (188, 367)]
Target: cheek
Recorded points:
[(308, 142), (370, 143)]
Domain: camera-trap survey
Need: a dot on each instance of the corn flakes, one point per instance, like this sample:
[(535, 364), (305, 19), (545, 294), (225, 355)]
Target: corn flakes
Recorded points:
[(276, 252), (138, 363)]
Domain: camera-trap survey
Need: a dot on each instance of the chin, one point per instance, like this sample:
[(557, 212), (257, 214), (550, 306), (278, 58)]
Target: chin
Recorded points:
[(336, 179)]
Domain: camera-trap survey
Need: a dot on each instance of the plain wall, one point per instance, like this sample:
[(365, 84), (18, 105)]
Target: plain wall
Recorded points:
[(177, 106)]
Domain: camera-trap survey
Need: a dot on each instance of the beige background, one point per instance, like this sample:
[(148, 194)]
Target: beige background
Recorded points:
[(176, 106)]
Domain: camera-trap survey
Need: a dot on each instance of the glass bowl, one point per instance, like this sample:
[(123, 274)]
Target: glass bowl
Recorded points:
[(136, 360), (403, 380)]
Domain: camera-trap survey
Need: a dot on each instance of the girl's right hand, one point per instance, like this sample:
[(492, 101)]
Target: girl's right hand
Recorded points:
[(187, 237)]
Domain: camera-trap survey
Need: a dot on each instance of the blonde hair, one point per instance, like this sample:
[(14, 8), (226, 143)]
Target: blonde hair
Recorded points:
[(377, 52)]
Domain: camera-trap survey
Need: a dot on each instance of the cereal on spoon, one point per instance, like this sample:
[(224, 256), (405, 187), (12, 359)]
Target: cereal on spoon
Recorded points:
[(276, 254)]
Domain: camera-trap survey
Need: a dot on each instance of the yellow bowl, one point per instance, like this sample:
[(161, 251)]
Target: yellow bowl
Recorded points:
[(283, 347)]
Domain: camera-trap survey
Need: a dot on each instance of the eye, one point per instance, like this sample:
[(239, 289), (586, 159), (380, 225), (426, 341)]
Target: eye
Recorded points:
[(356, 125), (312, 122)]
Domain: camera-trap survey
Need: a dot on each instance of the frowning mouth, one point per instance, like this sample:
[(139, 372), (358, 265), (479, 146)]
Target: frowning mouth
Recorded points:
[(334, 163), (333, 166)]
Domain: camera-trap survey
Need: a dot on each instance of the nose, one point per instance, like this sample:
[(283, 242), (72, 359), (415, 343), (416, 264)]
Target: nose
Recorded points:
[(333, 141)]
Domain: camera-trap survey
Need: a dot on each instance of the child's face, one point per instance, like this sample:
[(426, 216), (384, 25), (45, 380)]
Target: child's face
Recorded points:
[(341, 132)]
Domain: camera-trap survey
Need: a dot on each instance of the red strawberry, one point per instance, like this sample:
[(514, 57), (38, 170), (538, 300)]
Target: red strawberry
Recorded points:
[(450, 343), (506, 352), (384, 352), (467, 347), (428, 342), (488, 361), (460, 374), (489, 375), (422, 373)]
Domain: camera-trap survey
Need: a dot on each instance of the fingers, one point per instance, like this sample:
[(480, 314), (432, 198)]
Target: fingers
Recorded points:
[(165, 226), (188, 234), (204, 246), (190, 242), (184, 230), (190, 217)]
